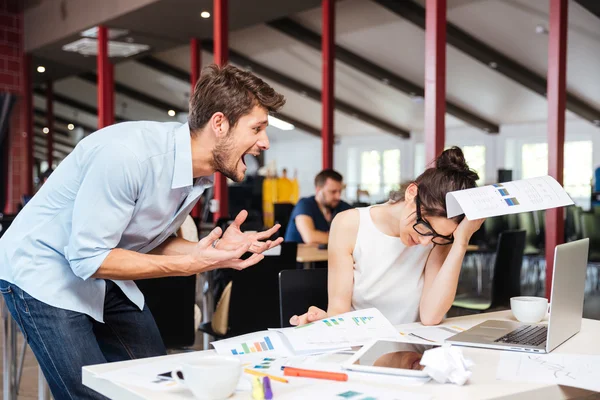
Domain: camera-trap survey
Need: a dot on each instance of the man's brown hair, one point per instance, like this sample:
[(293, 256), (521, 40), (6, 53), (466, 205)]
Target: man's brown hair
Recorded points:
[(322, 177), (232, 91)]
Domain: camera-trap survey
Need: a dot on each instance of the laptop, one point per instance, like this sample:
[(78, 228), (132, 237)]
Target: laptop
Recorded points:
[(566, 310)]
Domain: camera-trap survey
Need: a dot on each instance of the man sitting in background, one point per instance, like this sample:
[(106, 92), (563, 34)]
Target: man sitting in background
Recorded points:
[(312, 216)]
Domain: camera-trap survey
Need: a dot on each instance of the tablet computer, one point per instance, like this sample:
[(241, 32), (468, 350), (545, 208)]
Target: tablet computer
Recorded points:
[(390, 358)]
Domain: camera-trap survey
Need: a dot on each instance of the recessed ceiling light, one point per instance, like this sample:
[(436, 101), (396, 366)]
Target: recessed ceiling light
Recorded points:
[(71, 127), (41, 69), (205, 14), (171, 113), (45, 130)]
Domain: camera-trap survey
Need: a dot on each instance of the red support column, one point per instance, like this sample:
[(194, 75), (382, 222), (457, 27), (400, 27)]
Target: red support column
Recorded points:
[(50, 122), (195, 64), (328, 80), (435, 78), (110, 93), (221, 56), (557, 73), (103, 76), (27, 117)]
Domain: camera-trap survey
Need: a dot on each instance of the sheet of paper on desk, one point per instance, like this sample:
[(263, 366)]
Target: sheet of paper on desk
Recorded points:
[(146, 376), (431, 334), (581, 371), (351, 391), (350, 329), (513, 197), (263, 342)]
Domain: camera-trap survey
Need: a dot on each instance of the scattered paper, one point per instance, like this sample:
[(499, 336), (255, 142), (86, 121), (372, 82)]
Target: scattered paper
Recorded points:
[(580, 371), (446, 364), (434, 334), (342, 331), (263, 342), (349, 390), (507, 198), (146, 376)]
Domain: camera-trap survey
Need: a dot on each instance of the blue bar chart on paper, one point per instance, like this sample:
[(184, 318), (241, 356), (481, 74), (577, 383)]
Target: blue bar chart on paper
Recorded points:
[(361, 320), (253, 347)]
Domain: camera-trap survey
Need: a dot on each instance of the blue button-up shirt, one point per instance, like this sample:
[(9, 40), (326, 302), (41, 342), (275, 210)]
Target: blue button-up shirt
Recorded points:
[(127, 186)]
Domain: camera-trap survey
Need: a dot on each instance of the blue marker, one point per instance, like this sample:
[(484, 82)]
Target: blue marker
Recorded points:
[(267, 388)]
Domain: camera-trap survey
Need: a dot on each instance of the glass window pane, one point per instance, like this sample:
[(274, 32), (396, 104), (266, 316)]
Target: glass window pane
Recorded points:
[(578, 168), (391, 170), (534, 160), (475, 157), (370, 171)]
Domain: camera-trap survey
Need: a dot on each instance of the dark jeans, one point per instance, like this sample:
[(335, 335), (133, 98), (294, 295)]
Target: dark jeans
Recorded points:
[(64, 341)]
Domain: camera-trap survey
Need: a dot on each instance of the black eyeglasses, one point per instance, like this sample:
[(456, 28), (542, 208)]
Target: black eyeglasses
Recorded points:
[(423, 228)]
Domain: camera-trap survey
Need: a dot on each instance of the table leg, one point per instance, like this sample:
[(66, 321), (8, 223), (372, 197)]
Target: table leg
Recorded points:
[(9, 358), (43, 388)]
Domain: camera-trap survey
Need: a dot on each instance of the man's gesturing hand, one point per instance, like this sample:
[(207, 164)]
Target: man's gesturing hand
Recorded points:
[(234, 237)]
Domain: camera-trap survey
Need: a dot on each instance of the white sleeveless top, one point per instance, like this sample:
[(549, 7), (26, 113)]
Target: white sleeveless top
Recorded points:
[(387, 274)]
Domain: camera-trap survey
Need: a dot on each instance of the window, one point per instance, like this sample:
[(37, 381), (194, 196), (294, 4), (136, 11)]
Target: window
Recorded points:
[(475, 158), (370, 171), (577, 168), (391, 170), (534, 160), (379, 172)]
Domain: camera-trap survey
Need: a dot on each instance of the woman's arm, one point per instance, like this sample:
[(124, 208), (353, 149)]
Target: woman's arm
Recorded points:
[(442, 271), (342, 238)]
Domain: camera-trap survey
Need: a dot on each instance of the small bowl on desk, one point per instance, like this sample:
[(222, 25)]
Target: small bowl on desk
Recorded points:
[(529, 309)]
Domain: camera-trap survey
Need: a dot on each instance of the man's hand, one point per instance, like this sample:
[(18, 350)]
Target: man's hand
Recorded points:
[(234, 237), (205, 257)]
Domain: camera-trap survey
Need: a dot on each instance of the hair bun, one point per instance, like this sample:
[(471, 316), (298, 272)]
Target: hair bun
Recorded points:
[(453, 159)]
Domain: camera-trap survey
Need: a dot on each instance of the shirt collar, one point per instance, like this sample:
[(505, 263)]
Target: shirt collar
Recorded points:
[(183, 171)]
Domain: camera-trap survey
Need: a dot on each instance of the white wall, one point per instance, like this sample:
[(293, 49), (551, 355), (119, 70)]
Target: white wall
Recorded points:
[(502, 150)]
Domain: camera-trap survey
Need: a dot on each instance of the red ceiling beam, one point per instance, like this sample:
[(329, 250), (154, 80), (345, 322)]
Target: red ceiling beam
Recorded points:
[(435, 78), (557, 95)]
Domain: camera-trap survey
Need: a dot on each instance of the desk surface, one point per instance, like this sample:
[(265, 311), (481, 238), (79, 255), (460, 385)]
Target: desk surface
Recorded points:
[(482, 385), (310, 253)]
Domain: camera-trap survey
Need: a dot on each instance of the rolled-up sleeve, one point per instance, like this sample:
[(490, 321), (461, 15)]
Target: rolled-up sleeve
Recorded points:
[(110, 183)]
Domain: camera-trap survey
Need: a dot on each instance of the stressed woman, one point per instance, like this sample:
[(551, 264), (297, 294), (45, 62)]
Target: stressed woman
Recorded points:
[(402, 257)]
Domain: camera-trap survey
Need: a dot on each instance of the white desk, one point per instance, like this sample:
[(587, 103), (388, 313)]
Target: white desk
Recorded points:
[(483, 383)]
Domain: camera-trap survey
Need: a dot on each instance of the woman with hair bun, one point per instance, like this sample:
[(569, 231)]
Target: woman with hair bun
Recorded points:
[(402, 257)]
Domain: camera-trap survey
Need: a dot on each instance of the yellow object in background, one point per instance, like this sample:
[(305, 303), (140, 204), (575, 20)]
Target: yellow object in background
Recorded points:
[(269, 198), (285, 190)]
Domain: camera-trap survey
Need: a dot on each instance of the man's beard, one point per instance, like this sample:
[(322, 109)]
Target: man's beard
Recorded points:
[(221, 161)]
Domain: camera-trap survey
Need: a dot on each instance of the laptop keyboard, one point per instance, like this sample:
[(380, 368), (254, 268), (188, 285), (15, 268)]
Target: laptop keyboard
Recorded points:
[(528, 335)]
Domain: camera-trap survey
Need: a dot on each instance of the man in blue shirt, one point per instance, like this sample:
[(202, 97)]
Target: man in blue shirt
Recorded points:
[(107, 215), (312, 216)]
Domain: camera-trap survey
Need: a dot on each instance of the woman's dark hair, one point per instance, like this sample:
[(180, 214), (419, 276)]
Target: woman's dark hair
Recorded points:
[(450, 173)]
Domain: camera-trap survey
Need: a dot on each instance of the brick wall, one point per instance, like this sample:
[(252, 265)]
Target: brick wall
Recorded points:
[(11, 80)]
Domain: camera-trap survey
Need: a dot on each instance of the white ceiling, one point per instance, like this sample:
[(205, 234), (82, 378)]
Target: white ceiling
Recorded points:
[(387, 40)]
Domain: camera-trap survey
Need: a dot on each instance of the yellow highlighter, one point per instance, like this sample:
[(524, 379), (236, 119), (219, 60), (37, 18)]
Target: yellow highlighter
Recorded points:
[(258, 392)]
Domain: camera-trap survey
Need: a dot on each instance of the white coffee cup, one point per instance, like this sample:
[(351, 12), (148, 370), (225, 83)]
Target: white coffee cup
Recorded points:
[(210, 377), (529, 309)]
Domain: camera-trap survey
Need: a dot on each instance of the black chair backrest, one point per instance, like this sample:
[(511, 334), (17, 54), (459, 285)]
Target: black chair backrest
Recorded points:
[(282, 213), (254, 302), (299, 289), (171, 301), (507, 268)]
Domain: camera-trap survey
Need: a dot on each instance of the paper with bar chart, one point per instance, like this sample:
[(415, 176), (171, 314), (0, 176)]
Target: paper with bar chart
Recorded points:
[(263, 342), (514, 197), (350, 329)]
